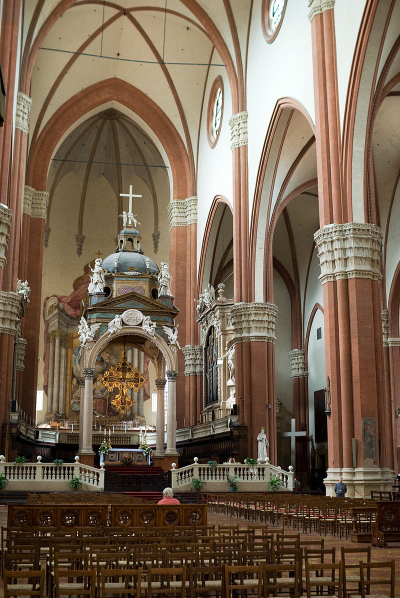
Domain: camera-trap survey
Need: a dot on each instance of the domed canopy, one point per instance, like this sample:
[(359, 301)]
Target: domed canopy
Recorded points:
[(121, 261)]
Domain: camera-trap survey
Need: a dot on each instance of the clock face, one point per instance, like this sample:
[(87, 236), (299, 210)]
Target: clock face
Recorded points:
[(275, 13)]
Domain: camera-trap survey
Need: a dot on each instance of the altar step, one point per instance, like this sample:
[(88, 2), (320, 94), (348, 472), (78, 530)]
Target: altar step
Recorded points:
[(134, 469)]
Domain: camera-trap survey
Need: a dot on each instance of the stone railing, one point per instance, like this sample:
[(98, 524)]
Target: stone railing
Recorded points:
[(250, 478), (41, 477)]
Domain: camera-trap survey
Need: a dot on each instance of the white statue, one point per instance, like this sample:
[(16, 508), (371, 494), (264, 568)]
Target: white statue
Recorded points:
[(262, 445), (164, 280), (97, 281), (206, 298), (149, 326), (132, 218), (231, 363), (115, 325), (172, 335), (86, 333), (23, 289), (124, 217)]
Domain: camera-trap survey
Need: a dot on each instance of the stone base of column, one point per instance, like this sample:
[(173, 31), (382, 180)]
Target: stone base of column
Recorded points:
[(165, 462), (86, 458), (360, 481)]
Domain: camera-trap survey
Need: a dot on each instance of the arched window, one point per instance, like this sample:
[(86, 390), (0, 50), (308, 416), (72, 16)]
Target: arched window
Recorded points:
[(273, 12), (215, 111)]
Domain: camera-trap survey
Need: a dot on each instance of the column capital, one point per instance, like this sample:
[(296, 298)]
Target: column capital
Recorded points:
[(88, 373), (351, 250), (239, 129), (172, 375), (160, 384), (182, 212), (297, 360), (35, 202), (23, 112), (20, 350), (5, 224), (9, 312), (81, 382), (254, 322), (193, 360), (318, 7)]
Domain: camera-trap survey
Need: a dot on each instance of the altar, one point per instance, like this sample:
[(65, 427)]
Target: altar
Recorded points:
[(115, 455)]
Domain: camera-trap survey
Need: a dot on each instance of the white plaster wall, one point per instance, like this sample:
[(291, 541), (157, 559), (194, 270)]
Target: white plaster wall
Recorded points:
[(283, 346), (277, 70), (392, 256), (316, 365), (215, 165), (314, 293)]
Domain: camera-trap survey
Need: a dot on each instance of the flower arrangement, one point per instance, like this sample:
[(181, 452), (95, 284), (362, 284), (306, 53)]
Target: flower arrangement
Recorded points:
[(20, 460), (58, 462), (75, 483), (146, 449), (104, 448), (126, 460), (250, 461), (3, 481), (275, 483), (233, 482)]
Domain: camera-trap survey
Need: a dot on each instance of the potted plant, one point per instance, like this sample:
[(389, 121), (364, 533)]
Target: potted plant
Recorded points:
[(213, 465), (3, 481), (104, 448), (75, 483), (20, 460), (198, 484), (233, 483), (126, 460), (250, 461), (275, 483), (58, 462)]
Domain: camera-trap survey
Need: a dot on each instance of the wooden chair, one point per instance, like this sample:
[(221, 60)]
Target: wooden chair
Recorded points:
[(24, 583), (351, 570), (204, 581), (329, 584), (74, 582), (166, 581), (281, 579), (377, 574), (120, 582), (247, 579)]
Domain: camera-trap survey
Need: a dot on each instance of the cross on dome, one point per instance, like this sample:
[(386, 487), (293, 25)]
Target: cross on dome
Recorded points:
[(128, 217)]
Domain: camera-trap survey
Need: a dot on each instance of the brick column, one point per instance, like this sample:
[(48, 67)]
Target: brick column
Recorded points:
[(254, 338), (300, 411)]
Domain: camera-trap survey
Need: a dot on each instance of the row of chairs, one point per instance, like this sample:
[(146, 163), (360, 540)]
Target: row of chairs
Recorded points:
[(261, 580), (97, 498)]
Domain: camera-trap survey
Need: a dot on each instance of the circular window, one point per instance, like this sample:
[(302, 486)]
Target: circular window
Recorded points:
[(273, 12), (215, 111)]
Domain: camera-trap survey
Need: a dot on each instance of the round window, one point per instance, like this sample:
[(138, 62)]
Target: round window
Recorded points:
[(215, 111), (273, 12)]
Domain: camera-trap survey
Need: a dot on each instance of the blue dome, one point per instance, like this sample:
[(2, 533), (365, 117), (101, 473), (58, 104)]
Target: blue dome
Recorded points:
[(129, 259)]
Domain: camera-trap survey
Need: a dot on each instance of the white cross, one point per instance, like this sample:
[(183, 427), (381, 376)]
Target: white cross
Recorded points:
[(292, 435), (130, 217)]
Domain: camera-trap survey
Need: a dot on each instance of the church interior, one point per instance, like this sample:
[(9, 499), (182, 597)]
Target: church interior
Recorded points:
[(199, 255)]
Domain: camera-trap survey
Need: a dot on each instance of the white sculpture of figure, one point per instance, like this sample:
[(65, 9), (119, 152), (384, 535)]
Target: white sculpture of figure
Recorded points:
[(164, 280), (124, 217), (132, 218), (231, 363), (86, 333), (97, 281), (149, 326), (205, 299), (172, 335), (262, 446), (114, 325), (23, 289)]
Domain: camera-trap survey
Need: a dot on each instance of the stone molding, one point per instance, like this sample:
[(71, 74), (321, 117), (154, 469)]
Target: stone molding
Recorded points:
[(254, 322), (5, 225), (20, 350), (193, 360), (239, 129), (394, 342), (35, 202), (351, 250), (182, 212), (318, 7), (9, 312), (385, 327), (172, 375), (23, 112), (297, 360)]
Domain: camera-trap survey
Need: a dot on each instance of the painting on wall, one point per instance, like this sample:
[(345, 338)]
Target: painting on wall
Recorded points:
[(369, 441)]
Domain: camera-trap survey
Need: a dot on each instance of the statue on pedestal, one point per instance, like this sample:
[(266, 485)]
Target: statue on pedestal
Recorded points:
[(97, 281), (164, 280), (262, 445)]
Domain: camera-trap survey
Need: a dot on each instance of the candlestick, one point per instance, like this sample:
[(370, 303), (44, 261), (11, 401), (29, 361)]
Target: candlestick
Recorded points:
[(72, 427)]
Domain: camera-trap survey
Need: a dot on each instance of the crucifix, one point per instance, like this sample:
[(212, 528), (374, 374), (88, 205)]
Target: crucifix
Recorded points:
[(128, 217), (293, 435), (122, 376)]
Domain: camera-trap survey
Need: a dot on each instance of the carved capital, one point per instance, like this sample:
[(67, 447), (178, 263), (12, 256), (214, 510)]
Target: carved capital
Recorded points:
[(172, 375), (182, 213), (394, 342), (81, 382), (88, 373), (351, 250), (193, 360), (20, 350), (319, 6), (385, 327), (9, 312), (35, 202), (160, 384), (23, 112), (297, 360), (254, 322), (239, 129), (5, 224)]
